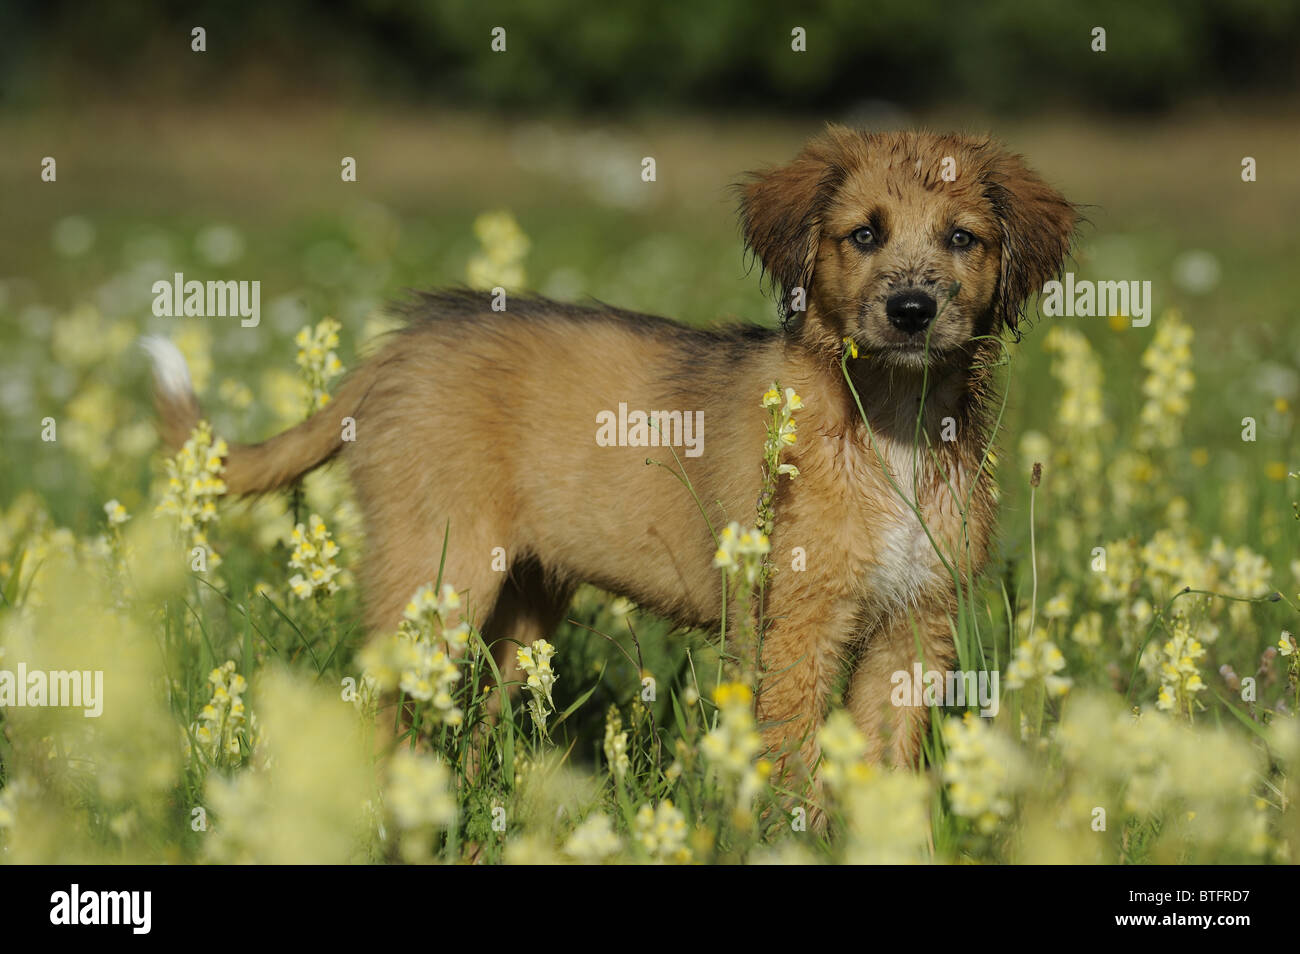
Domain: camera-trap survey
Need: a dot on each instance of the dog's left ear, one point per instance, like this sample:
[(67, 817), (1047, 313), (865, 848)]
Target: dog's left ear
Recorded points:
[(781, 210), (1037, 226)]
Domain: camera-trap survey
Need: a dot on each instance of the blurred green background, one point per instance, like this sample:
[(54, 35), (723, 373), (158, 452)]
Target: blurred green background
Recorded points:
[(577, 55)]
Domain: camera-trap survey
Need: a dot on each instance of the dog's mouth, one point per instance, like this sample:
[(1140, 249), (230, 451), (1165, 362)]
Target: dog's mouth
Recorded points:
[(937, 342), (913, 350), (911, 354), (915, 343)]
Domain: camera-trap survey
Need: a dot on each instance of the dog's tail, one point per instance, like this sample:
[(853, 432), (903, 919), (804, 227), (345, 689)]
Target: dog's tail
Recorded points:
[(251, 468)]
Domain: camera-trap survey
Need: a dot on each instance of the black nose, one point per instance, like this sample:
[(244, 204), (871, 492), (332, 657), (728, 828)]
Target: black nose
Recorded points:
[(910, 311)]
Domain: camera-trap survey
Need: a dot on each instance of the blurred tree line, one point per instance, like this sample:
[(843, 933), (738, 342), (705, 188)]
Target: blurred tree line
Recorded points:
[(999, 54)]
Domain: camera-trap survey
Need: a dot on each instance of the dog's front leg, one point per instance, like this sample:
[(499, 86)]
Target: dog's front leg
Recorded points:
[(801, 656), (895, 731)]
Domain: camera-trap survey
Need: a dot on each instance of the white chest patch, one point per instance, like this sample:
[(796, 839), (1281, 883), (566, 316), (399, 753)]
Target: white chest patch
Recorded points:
[(906, 565)]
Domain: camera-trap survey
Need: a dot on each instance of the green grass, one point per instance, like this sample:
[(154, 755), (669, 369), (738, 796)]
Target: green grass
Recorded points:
[(124, 788)]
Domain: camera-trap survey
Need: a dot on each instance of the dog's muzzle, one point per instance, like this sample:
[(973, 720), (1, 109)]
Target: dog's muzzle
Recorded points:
[(911, 311)]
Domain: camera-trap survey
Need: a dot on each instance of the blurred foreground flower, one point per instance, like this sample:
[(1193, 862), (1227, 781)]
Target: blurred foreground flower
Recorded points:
[(781, 433), (317, 361), (421, 658), (594, 840), (314, 552), (661, 832), (1180, 679), (102, 787), (116, 513), (304, 800), (1191, 784), (982, 772), (1250, 577), (1038, 658), (535, 661), (1169, 382), (616, 744), (420, 799), (843, 749), (732, 747), (193, 485), (225, 720), (888, 820), (741, 548)]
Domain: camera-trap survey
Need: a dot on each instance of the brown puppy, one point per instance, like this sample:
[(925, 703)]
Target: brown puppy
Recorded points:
[(920, 248)]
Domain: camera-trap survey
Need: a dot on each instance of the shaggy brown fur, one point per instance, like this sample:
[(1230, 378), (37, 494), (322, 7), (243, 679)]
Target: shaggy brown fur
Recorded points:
[(488, 420)]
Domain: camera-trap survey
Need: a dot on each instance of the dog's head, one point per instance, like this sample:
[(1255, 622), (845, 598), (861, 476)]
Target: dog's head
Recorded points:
[(909, 243)]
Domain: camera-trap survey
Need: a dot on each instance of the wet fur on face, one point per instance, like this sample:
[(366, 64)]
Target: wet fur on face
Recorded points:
[(914, 192), (485, 423)]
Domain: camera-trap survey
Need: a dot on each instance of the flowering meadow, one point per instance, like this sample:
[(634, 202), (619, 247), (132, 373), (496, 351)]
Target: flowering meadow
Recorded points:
[(1139, 605)]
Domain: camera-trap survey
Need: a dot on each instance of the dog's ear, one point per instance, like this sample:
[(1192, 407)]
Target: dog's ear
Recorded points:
[(781, 210), (1037, 226)]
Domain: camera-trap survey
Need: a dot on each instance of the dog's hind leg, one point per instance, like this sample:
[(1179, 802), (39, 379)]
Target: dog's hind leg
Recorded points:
[(529, 607), (403, 555), (401, 558)]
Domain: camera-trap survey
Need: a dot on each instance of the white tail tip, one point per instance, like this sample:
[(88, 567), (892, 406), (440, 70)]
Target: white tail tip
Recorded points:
[(170, 372)]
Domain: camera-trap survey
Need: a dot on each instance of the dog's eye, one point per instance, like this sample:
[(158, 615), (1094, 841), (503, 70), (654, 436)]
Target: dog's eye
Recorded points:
[(960, 238), (864, 236)]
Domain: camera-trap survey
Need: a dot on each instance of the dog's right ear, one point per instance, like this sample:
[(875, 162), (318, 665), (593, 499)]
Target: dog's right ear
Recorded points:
[(780, 215)]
